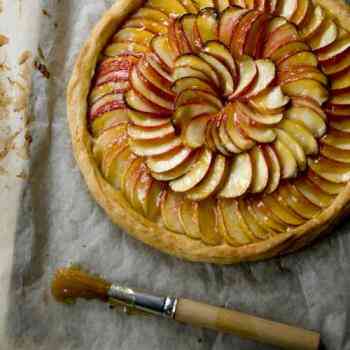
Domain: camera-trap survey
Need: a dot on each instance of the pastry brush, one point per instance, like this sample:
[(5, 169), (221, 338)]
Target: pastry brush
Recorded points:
[(72, 283)]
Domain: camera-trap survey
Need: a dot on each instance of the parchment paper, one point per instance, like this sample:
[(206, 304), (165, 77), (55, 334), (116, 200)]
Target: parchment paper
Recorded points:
[(58, 223)]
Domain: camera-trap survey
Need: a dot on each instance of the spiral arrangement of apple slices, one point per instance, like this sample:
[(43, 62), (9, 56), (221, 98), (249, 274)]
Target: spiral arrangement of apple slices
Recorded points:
[(226, 120)]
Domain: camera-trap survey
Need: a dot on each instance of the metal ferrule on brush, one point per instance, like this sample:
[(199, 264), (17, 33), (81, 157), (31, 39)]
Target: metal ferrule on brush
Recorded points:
[(161, 306)]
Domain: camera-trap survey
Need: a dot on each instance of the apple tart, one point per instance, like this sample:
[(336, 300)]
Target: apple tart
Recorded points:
[(217, 130)]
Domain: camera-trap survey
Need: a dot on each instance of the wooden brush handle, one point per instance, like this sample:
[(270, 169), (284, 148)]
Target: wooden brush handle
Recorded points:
[(246, 326)]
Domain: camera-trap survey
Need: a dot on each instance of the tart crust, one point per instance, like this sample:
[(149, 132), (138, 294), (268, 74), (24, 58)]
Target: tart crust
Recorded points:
[(119, 209)]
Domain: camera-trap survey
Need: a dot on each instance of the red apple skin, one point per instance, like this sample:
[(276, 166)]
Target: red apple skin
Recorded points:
[(153, 88), (281, 36), (254, 42), (241, 33)]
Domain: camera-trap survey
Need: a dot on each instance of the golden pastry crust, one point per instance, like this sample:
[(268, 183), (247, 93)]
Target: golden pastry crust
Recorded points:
[(119, 209)]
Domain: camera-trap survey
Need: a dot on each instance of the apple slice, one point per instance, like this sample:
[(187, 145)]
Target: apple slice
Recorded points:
[(301, 12), (136, 102), (189, 72), (100, 91), (190, 6), (197, 96), (170, 208), (172, 9), (257, 133), (326, 186), (134, 35), (181, 38), (235, 133), (255, 39), (341, 82), (313, 193), (194, 134), (115, 135), (123, 161), (325, 36), (178, 171), (339, 66), (190, 31), (309, 103), (247, 74), (305, 87), (302, 72), (189, 83), (239, 178), (287, 8), (229, 211), (337, 139), (108, 120), (189, 218), (301, 135), (335, 51), (337, 110), (161, 47), (223, 230), (306, 58), (239, 3), (208, 222), (150, 133), (211, 182), (289, 166), (225, 77), (155, 79), (197, 63), (274, 168), (144, 119), (294, 147), (314, 23), (225, 138), (208, 25), (152, 14), (152, 26), (186, 113), (241, 32), (202, 4), (287, 51), (228, 22), (309, 119), (195, 175), (132, 176), (280, 210), (209, 141), (150, 92), (341, 99), (265, 119), (271, 101), (260, 170), (125, 48), (155, 147), (269, 219), (106, 104), (159, 67), (219, 51), (222, 5), (255, 227), (168, 161), (284, 34), (215, 126), (340, 123), (266, 74), (275, 23), (297, 202), (330, 170)]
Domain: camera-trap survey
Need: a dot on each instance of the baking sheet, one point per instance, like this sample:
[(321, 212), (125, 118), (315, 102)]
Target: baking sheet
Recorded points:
[(58, 223)]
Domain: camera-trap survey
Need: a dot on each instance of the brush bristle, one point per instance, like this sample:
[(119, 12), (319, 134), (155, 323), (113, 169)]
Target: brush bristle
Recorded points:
[(72, 283)]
